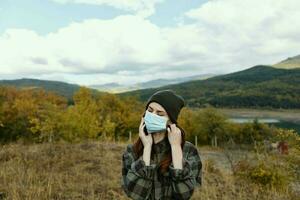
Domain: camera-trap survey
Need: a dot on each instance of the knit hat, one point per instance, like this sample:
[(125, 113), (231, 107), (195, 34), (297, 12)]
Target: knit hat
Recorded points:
[(171, 102)]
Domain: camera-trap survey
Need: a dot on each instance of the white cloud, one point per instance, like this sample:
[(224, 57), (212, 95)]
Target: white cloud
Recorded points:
[(142, 8), (258, 28), (92, 46), (224, 36)]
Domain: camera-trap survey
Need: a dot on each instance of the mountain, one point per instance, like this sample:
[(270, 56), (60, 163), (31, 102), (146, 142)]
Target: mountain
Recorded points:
[(162, 82), (61, 88), (109, 87), (289, 63), (112, 87), (117, 88), (256, 87)]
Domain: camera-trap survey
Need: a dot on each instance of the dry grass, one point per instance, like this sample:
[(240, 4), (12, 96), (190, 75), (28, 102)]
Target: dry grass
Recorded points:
[(92, 170)]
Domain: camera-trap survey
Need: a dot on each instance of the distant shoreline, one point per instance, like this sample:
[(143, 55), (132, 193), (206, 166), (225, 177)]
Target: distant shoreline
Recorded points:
[(292, 115)]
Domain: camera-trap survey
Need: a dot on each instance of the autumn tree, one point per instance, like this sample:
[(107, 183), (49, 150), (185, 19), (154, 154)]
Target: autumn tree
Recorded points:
[(187, 119), (119, 116), (81, 120), (213, 125), (19, 107)]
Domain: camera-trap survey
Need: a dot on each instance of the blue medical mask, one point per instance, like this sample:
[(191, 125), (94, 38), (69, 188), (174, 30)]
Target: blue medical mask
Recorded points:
[(155, 123)]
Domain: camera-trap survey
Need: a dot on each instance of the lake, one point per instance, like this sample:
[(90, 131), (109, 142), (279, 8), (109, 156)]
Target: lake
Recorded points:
[(270, 121)]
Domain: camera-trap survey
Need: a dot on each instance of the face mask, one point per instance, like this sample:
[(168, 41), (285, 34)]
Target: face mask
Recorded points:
[(155, 123)]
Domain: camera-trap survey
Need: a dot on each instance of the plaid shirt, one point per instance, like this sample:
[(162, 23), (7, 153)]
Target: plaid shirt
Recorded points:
[(146, 182)]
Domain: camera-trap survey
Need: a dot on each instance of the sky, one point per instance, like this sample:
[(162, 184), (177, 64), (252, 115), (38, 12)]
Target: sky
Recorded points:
[(129, 41)]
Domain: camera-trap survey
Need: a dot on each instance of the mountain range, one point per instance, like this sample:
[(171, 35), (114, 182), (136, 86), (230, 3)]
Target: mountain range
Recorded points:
[(118, 88), (256, 87), (276, 86), (267, 86)]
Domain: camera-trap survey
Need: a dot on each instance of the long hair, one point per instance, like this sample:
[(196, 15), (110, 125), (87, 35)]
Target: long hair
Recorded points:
[(138, 149)]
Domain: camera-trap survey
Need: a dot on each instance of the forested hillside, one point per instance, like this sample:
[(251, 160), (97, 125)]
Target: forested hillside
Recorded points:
[(256, 87), (60, 88)]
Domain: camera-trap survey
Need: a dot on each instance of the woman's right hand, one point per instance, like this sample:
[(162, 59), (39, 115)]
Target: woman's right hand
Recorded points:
[(146, 139)]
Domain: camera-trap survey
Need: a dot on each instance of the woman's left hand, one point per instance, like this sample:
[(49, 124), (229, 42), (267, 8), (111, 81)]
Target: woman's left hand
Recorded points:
[(174, 135)]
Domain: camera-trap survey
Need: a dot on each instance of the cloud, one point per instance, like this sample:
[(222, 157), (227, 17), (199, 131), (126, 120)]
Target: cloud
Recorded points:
[(144, 8), (262, 28), (223, 36), (39, 61), (125, 42)]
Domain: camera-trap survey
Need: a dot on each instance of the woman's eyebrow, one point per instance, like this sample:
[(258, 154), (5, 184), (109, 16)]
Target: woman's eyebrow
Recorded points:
[(158, 110)]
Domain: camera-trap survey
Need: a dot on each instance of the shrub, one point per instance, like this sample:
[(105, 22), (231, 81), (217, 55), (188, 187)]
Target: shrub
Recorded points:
[(269, 176), (264, 175)]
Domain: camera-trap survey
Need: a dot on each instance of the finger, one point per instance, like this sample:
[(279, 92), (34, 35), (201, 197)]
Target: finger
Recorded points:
[(141, 133), (141, 128), (177, 130), (142, 121), (169, 132), (173, 127)]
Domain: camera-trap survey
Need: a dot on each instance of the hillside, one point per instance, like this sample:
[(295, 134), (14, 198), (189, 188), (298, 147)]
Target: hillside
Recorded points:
[(61, 88), (256, 87), (289, 63)]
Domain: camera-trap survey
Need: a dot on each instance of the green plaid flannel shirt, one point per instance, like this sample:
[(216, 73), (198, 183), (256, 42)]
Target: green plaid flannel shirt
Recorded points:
[(146, 182)]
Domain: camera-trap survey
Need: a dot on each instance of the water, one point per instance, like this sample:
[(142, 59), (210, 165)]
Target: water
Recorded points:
[(271, 121), (249, 120)]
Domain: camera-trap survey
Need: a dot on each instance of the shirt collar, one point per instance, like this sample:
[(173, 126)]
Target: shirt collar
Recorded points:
[(162, 145)]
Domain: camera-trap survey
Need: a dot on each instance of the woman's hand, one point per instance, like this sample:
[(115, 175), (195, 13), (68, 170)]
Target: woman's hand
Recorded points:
[(174, 135), (146, 139)]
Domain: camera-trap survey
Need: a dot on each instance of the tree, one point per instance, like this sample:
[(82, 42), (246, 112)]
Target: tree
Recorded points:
[(213, 125), (124, 113), (187, 119), (20, 106), (81, 120)]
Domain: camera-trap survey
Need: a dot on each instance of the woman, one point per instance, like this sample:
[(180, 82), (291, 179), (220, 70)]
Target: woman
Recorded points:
[(161, 164)]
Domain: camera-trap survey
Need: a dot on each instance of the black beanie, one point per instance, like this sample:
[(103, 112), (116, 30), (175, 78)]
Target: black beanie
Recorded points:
[(171, 102)]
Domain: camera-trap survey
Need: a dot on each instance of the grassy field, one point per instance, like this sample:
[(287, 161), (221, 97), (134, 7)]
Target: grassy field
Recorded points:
[(92, 170)]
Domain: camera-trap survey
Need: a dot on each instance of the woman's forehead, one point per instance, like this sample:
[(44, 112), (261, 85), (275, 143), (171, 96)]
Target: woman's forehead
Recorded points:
[(156, 106)]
